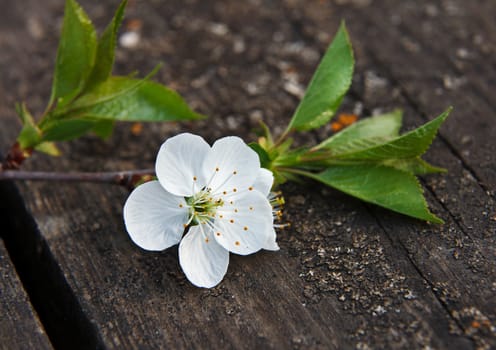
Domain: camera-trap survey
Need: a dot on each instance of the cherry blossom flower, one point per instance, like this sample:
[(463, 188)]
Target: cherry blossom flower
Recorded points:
[(218, 195)]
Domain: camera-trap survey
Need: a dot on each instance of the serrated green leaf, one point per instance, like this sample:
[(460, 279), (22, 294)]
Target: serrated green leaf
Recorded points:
[(149, 102), (281, 177), (384, 186), (262, 155), (75, 55), (106, 49), (329, 84), (265, 136), (23, 114), (364, 133), (103, 128), (415, 166), (29, 136), (409, 145), (49, 148), (67, 129), (117, 98), (109, 89)]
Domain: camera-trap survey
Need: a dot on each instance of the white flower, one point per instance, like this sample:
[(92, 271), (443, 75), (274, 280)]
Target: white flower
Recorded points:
[(219, 193)]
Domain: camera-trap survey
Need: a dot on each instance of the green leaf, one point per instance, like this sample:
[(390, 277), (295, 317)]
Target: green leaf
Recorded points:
[(364, 133), (387, 187), (75, 55), (30, 135), (329, 84), (265, 136), (409, 145), (103, 128), (49, 148), (415, 166), (117, 98), (262, 154), (106, 49), (105, 91), (23, 114), (148, 101), (66, 129)]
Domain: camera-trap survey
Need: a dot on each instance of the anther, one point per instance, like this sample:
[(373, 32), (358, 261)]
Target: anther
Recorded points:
[(245, 228), (237, 243), (250, 188), (231, 221)]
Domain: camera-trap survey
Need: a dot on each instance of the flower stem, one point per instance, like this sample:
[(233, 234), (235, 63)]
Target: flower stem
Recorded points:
[(127, 179), (282, 137)]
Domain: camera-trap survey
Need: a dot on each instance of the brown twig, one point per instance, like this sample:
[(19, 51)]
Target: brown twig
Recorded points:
[(127, 179)]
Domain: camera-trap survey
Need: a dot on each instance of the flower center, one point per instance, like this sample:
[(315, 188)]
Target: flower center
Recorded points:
[(202, 207)]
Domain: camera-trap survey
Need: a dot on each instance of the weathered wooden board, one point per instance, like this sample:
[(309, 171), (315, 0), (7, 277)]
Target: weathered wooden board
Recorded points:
[(19, 325), (439, 71), (450, 70), (348, 275)]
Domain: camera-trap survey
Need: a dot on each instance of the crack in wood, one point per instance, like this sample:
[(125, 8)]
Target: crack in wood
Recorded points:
[(65, 323), (416, 107)]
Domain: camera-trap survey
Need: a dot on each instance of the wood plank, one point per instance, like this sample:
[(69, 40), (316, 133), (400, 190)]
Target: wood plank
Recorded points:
[(19, 325), (454, 79), (49, 293), (463, 249), (450, 49), (347, 275)]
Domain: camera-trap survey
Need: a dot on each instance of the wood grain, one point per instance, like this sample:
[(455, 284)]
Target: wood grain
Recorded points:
[(348, 275), (19, 325)]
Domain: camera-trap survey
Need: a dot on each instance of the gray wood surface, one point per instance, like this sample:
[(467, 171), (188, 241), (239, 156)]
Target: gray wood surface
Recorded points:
[(349, 275), (19, 325)]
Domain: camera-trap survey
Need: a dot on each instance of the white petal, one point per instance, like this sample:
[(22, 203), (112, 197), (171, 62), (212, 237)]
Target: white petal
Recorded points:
[(154, 218), (202, 259), (244, 225), (179, 164), (263, 182), (234, 166), (270, 243)]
